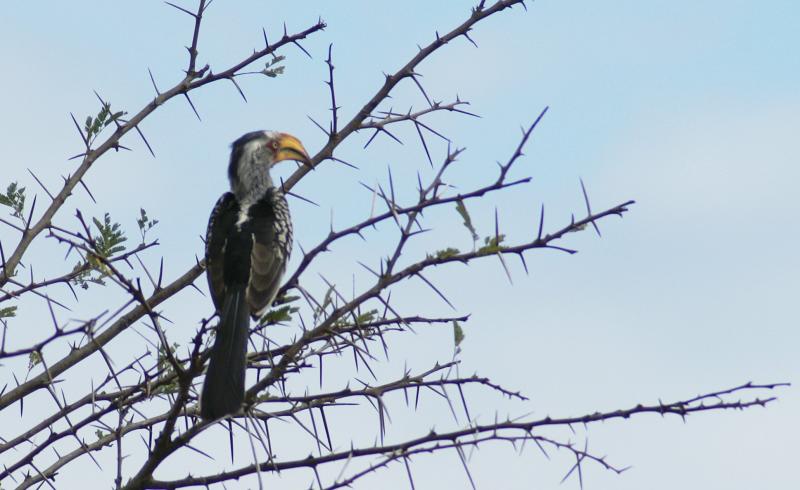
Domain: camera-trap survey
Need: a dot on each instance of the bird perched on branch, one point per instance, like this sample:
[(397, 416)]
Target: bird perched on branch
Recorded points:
[(248, 242)]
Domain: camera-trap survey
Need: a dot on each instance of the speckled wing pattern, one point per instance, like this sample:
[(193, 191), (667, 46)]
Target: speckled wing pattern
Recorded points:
[(271, 228), (221, 225)]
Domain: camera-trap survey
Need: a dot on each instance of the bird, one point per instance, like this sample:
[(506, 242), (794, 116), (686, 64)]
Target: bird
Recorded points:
[(248, 243)]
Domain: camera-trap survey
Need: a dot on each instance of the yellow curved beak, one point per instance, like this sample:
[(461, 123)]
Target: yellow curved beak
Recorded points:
[(290, 148)]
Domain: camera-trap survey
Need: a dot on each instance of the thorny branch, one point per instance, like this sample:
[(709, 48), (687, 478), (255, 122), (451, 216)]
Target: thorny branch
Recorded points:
[(479, 13), (192, 81), (149, 400), (510, 431)]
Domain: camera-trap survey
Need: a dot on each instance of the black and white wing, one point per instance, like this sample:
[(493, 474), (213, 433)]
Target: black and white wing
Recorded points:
[(221, 226), (271, 227)]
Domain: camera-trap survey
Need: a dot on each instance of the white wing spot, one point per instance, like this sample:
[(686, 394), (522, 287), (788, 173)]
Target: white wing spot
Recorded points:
[(243, 216)]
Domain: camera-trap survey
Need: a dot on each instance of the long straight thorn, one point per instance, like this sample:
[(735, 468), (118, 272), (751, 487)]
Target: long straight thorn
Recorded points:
[(192, 106), (589, 208), (181, 9), (147, 144), (80, 131)]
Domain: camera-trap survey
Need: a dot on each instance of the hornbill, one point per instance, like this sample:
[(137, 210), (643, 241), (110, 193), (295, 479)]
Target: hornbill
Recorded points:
[(248, 242)]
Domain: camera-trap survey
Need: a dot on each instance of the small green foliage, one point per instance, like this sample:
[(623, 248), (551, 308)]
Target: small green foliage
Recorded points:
[(266, 396), (444, 253), (319, 310), (99, 434), (8, 312), (462, 210), (367, 317), (282, 314), (279, 315), (361, 320), (83, 276), (271, 70), (14, 198), (107, 243), (110, 239), (166, 367), (163, 359), (95, 125), (458, 334), (171, 387), (145, 223), (34, 358), (284, 299), (492, 244)]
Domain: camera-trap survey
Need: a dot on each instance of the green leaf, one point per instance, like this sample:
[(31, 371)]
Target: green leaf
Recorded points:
[(163, 358), (83, 275), (492, 245), (14, 198), (95, 125), (328, 300), (458, 334), (271, 70), (8, 312), (107, 243), (34, 358), (110, 239), (462, 210), (444, 253), (287, 299), (145, 223), (367, 317), (279, 315)]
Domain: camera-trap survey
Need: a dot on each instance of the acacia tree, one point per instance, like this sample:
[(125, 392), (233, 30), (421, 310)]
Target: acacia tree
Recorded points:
[(139, 409)]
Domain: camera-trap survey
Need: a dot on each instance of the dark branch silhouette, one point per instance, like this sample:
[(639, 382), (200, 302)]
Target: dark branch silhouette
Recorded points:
[(148, 402)]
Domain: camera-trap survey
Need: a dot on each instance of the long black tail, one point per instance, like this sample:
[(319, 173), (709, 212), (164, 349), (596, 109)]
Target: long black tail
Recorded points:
[(223, 390)]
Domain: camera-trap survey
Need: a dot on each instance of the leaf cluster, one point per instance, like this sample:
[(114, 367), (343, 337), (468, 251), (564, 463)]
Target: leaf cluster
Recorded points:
[(95, 125), (271, 67), (14, 198), (145, 223), (105, 245)]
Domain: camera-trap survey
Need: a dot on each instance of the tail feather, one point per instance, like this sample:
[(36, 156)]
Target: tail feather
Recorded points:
[(223, 389)]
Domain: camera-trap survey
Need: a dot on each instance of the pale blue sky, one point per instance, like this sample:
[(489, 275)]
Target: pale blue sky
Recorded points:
[(690, 108)]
